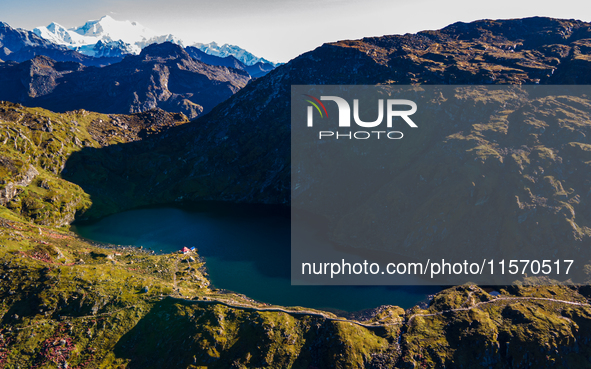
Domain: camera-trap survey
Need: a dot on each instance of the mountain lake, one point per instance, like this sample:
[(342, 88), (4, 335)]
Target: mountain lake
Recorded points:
[(246, 250)]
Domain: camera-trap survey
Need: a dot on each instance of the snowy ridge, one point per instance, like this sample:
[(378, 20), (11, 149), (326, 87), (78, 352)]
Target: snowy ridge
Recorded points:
[(9, 36), (109, 37), (244, 56), (125, 36)]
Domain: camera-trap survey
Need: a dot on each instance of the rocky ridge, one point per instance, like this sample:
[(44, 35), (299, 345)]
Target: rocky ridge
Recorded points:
[(256, 70), (162, 76), (19, 45)]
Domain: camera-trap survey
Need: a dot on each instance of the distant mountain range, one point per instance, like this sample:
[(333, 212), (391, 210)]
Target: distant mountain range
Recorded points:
[(244, 56), (20, 45), (256, 70), (38, 72), (109, 37), (94, 44), (104, 36), (162, 76)]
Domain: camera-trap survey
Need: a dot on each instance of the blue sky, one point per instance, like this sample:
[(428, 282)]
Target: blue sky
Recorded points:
[(280, 30)]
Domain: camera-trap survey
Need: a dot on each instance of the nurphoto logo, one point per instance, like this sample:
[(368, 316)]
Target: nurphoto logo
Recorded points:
[(344, 117)]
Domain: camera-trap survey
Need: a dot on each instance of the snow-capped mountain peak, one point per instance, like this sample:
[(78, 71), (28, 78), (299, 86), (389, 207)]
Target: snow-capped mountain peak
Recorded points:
[(239, 53), (55, 33), (126, 31), (132, 37), (91, 28), (110, 37)]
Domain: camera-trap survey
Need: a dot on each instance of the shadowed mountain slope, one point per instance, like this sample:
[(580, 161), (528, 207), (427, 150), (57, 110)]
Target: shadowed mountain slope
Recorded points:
[(252, 128), (240, 152)]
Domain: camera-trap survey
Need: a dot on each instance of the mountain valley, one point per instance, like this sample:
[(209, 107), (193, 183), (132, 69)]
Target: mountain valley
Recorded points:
[(120, 137)]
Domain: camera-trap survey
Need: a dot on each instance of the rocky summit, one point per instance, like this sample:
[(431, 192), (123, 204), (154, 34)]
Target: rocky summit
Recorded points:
[(69, 303), (162, 76)]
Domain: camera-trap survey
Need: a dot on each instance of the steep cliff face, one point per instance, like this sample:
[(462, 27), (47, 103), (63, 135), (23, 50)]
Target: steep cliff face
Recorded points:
[(162, 76)]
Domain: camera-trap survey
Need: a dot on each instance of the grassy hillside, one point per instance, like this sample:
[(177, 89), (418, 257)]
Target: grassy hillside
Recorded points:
[(68, 303), (36, 143)]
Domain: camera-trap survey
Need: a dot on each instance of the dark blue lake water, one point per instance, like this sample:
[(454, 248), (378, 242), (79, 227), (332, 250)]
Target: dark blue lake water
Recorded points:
[(246, 249)]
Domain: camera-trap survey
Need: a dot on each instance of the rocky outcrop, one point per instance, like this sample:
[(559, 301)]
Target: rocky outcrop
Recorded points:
[(7, 193), (10, 189), (28, 176)]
